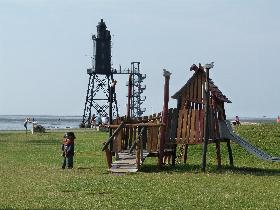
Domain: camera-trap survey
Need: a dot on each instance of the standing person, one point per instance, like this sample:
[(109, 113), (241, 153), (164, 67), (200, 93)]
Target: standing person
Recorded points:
[(68, 150), (98, 120), (93, 121), (237, 121), (113, 90), (25, 124)]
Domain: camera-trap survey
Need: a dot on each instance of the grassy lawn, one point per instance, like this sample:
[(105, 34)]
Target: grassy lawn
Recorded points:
[(31, 177)]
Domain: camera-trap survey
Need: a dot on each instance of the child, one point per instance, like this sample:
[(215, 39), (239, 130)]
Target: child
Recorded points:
[(67, 148)]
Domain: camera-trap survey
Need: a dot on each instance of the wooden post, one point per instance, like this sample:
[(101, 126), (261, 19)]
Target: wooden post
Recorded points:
[(110, 113), (166, 75), (138, 155), (108, 157), (230, 154), (174, 155), (218, 153), (129, 96), (185, 153), (113, 136), (206, 121), (128, 109)]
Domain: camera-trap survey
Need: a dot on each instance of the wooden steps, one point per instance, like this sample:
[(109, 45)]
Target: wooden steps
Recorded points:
[(126, 162)]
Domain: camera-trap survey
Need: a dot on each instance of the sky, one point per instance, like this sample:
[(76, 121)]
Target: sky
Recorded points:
[(45, 49)]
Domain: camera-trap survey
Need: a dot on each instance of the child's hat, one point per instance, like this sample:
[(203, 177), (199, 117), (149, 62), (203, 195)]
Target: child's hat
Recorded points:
[(69, 135)]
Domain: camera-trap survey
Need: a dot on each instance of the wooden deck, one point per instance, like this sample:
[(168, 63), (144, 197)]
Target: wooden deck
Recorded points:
[(126, 162)]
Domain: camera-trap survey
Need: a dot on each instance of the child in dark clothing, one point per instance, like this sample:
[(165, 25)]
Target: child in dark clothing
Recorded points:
[(67, 148)]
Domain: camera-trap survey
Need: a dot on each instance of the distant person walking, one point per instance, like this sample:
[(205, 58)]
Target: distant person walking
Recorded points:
[(25, 124), (67, 148), (93, 121)]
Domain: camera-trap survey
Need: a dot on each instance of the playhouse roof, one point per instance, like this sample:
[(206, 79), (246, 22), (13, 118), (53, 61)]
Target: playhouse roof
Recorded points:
[(212, 87)]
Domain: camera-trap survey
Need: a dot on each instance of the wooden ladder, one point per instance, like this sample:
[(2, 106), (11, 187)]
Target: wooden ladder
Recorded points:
[(126, 162)]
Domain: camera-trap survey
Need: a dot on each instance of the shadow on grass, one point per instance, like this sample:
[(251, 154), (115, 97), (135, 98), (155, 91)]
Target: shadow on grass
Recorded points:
[(254, 171), (195, 168)]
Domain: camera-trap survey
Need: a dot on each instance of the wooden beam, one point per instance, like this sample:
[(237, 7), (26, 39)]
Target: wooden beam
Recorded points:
[(113, 135), (138, 125)]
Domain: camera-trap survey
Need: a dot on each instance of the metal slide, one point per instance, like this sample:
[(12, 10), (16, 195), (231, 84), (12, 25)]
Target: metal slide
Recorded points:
[(227, 132)]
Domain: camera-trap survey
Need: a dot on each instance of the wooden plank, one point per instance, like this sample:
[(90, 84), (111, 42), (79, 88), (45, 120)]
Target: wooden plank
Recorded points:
[(135, 134), (157, 123), (197, 121), (187, 95), (108, 157), (149, 138), (195, 88), (189, 123), (203, 80), (126, 163), (119, 141), (130, 142), (201, 121), (193, 128), (155, 138), (168, 125), (184, 122), (191, 91), (123, 141), (199, 88), (217, 124), (202, 118), (180, 124), (174, 121), (183, 100)]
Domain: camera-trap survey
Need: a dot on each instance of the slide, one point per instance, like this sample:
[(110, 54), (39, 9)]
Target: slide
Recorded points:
[(227, 132)]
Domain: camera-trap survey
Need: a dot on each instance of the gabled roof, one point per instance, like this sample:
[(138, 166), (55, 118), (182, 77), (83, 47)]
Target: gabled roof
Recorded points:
[(216, 92), (212, 87)]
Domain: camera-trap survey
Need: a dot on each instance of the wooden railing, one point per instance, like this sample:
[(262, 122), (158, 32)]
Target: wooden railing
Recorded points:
[(110, 140), (139, 148), (137, 135)]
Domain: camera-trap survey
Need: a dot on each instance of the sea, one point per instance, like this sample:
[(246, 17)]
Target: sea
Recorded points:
[(16, 122)]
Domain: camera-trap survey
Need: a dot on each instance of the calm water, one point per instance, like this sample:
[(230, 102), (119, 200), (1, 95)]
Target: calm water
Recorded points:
[(15, 122)]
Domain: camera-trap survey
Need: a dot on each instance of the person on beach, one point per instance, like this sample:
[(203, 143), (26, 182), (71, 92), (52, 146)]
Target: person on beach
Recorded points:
[(237, 121), (25, 124), (67, 148), (93, 121), (98, 120)]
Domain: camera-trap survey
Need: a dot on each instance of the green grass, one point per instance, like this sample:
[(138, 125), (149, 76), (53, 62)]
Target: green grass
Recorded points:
[(31, 177)]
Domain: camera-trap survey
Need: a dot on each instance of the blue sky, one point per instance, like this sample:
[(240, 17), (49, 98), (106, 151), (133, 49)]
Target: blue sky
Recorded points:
[(45, 48)]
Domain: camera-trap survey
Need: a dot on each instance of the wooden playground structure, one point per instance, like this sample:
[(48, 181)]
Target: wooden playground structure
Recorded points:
[(132, 140), (199, 119)]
